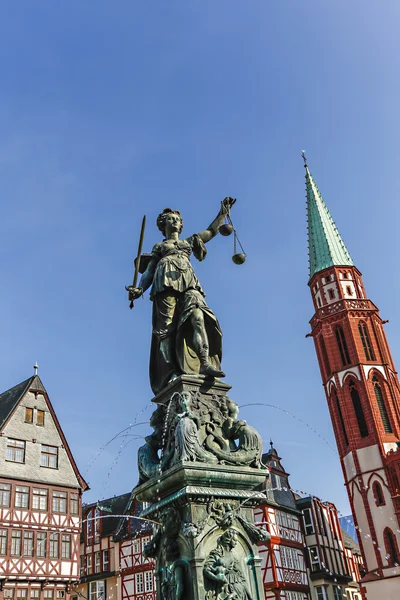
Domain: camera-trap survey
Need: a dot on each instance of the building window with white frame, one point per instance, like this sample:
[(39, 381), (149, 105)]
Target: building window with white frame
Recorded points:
[(82, 565), (22, 593), (308, 521), (74, 504), (97, 565), (34, 594), (5, 492), (66, 546), (88, 564), (8, 593), (54, 544), (314, 558), (321, 592), (106, 564), (148, 581), (49, 457), (21, 496), (97, 590), (3, 542), (139, 583), (41, 544), (60, 502), (338, 592), (28, 543), (16, 543), (39, 498), (15, 451), (48, 594)]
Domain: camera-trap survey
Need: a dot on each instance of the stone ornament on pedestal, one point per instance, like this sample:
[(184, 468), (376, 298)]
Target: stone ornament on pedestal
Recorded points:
[(200, 471)]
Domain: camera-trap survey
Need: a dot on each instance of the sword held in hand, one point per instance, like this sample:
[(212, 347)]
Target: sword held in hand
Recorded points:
[(137, 262)]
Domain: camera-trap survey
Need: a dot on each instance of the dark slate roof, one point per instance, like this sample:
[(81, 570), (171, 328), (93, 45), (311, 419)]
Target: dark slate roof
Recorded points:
[(131, 527), (10, 399), (350, 543), (111, 509)]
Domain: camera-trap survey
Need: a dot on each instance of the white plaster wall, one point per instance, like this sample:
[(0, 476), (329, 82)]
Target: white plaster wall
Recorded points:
[(354, 370), (349, 466), (348, 283), (383, 516), (390, 446), (388, 589), (16, 428), (364, 530), (369, 458), (331, 286), (318, 297), (368, 368)]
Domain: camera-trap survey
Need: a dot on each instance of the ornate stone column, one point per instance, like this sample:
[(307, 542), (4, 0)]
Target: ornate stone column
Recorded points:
[(201, 473)]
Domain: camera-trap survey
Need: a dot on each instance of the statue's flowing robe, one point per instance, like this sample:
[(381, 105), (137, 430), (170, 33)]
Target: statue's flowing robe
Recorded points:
[(175, 293)]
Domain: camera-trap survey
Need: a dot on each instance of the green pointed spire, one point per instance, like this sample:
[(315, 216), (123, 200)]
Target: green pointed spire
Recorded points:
[(325, 246)]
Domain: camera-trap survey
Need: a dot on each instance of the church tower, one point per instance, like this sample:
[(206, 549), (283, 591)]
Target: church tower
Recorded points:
[(363, 394)]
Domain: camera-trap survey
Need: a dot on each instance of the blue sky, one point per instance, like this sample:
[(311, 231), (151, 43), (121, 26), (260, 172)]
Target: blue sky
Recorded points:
[(109, 110)]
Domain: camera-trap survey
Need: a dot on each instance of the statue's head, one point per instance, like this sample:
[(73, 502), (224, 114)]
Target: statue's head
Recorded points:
[(171, 220), (228, 539)]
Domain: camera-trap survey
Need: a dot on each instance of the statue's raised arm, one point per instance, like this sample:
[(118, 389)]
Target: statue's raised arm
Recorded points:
[(186, 335), (213, 228)]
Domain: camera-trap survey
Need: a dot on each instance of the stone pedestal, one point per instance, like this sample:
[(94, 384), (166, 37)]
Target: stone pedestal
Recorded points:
[(201, 474)]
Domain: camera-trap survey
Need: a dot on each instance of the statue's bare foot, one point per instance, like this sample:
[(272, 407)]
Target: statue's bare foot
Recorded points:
[(210, 372)]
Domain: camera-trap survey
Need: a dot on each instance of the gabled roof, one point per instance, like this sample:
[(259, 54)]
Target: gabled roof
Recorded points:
[(350, 543), (112, 509), (116, 517), (277, 491), (9, 401), (325, 246)]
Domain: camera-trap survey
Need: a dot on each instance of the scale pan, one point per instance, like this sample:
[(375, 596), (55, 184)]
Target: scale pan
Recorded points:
[(239, 259), (226, 229)]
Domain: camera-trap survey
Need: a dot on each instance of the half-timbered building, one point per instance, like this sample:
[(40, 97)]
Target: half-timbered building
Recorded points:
[(40, 498), (137, 571), (112, 563), (283, 558), (331, 573)]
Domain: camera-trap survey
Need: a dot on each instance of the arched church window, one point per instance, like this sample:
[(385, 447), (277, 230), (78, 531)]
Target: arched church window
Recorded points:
[(395, 481), (341, 341), (366, 342), (392, 552), (378, 494), (382, 406), (325, 357), (358, 409), (340, 415)]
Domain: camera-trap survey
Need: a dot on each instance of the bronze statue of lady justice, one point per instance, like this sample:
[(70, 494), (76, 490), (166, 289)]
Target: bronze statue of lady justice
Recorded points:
[(186, 335)]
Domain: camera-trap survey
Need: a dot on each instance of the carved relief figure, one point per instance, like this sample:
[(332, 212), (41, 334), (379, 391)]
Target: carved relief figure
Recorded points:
[(249, 448), (186, 334), (223, 575), (187, 445)]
